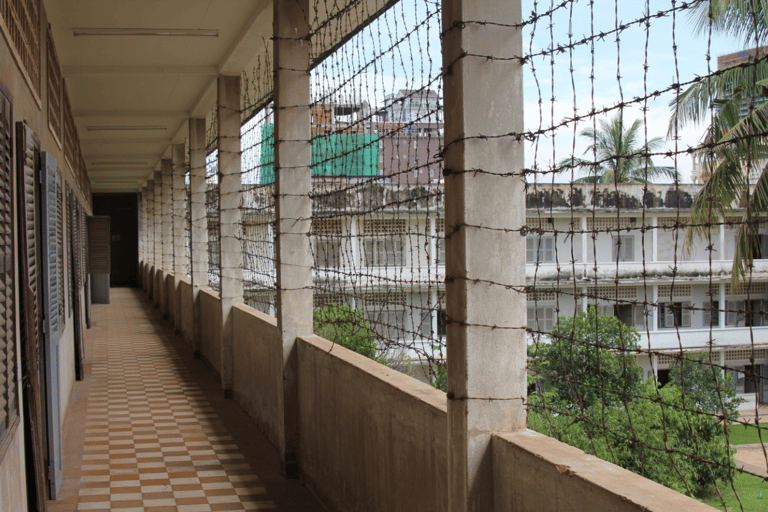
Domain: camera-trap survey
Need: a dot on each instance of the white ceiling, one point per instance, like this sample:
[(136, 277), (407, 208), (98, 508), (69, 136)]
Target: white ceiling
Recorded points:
[(147, 81)]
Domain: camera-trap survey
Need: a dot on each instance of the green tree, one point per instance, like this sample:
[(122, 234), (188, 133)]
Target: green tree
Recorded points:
[(589, 359), (341, 324), (705, 385), (735, 144), (618, 155), (657, 434)]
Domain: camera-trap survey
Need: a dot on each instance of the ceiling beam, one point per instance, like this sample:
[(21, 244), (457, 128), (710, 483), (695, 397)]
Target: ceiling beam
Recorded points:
[(127, 140), (145, 70), (182, 114)]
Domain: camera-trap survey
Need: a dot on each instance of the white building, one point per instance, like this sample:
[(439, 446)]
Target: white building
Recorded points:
[(377, 249)]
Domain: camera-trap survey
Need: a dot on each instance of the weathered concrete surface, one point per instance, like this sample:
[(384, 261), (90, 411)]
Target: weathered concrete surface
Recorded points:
[(160, 289), (372, 439), (257, 365), (170, 292), (186, 320), (536, 473), (210, 329), (13, 494)]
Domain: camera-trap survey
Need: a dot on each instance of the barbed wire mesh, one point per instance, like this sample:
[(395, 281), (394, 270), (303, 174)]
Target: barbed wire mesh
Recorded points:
[(643, 334), (646, 294), (376, 167), (187, 242), (212, 198)]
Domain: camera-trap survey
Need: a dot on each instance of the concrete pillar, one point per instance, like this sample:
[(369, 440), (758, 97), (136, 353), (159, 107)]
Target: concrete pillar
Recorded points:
[(485, 254), (166, 242), (179, 227), (199, 223), (230, 219), (293, 210), (722, 305), (179, 211), (166, 168), (655, 224), (158, 236), (149, 253)]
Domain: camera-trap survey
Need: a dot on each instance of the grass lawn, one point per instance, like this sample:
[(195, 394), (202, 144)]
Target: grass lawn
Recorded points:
[(740, 434), (752, 490)]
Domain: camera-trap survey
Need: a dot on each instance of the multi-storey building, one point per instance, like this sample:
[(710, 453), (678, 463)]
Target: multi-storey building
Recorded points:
[(622, 249)]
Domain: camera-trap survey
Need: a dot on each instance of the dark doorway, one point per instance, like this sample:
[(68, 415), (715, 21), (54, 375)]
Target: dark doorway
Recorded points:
[(123, 211)]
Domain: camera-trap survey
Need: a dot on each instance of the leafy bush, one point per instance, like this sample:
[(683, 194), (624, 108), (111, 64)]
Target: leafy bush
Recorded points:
[(341, 324)]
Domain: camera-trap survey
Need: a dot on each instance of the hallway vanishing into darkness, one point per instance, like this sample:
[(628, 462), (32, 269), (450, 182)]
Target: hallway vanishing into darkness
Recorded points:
[(149, 429)]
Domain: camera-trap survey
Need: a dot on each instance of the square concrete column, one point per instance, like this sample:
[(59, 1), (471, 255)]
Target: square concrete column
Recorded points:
[(166, 168), (179, 210), (293, 211), (158, 235), (179, 190), (198, 222), (230, 219), (149, 253), (485, 252)]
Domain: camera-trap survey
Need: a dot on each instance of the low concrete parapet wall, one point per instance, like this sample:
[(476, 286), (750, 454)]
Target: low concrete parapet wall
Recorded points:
[(533, 472), (374, 439), (257, 367), (185, 321), (210, 327), (371, 438)]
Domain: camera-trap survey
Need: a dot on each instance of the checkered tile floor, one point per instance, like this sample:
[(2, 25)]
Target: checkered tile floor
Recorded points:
[(152, 441)]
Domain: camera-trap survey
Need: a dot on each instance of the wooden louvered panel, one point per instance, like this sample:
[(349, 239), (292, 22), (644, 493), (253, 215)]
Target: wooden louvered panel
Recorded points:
[(50, 245), (98, 245), (27, 151), (60, 246), (8, 342)]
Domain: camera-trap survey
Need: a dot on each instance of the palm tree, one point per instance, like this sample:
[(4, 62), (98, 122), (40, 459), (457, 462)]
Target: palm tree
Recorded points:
[(735, 146), (618, 156)]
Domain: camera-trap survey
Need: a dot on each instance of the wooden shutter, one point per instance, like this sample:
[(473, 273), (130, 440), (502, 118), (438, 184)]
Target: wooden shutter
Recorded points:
[(50, 180), (60, 246), (27, 158), (9, 396), (98, 245), (50, 183)]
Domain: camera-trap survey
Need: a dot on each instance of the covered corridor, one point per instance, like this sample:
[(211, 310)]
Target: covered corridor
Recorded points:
[(149, 431)]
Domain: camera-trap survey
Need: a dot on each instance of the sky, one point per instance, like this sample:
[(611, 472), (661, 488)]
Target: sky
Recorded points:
[(401, 50), (625, 59)]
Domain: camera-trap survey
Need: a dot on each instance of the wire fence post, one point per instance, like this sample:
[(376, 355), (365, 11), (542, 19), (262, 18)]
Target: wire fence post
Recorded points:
[(149, 253), (230, 219), (179, 208), (158, 232), (166, 169), (485, 254), (293, 210), (199, 224)]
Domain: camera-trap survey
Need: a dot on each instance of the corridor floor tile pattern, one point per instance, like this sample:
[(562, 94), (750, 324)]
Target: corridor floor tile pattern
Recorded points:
[(152, 440)]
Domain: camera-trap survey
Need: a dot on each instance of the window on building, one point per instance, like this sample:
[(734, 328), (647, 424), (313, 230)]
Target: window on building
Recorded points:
[(624, 248), (745, 313), (327, 252), (541, 319), (383, 243), (760, 247), (442, 323), (539, 248), (711, 314), (675, 314)]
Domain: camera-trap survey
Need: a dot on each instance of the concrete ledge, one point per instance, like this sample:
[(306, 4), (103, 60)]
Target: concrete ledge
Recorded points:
[(533, 472), (257, 367), (372, 438), (210, 328), (186, 311)]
